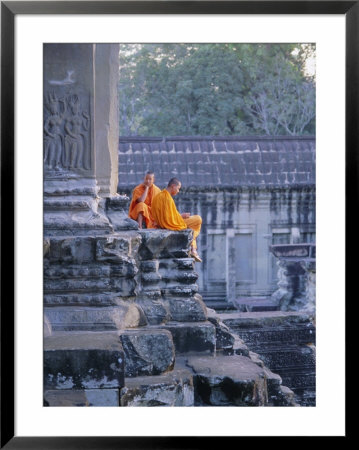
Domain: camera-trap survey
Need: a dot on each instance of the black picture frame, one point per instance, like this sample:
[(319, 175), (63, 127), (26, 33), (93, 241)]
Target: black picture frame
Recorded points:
[(9, 9)]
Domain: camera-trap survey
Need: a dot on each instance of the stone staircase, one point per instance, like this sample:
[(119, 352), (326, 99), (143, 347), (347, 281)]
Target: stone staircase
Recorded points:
[(285, 342), (154, 344)]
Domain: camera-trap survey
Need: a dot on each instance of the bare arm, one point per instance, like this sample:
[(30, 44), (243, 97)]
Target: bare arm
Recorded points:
[(144, 195)]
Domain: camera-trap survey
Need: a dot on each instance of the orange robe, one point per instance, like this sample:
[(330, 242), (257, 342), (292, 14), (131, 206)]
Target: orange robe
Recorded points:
[(143, 207), (165, 214)]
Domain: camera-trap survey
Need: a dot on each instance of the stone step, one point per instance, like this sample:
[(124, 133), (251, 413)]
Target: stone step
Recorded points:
[(285, 342), (85, 397), (232, 381), (287, 356), (171, 389), (219, 304), (83, 361), (255, 304), (271, 322), (86, 318), (192, 337)]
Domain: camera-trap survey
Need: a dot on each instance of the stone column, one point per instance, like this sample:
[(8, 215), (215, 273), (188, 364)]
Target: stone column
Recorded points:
[(106, 121), (80, 136)]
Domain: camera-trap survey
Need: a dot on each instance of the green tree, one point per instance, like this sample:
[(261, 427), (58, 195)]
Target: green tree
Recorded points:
[(215, 89)]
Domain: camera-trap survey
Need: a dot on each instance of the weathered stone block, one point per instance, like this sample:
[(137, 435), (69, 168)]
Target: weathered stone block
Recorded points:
[(125, 315), (124, 287), (117, 211), (87, 397), (150, 278), (75, 250), (178, 276), (193, 338), (228, 381), (112, 248), (154, 310), (157, 244), (224, 338), (148, 351), (180, 291), (83, 361), (149, 266), (148, 293), (171, 389), (84, 299), (184, 309), (240, 321), (177, 264), (238, 348)]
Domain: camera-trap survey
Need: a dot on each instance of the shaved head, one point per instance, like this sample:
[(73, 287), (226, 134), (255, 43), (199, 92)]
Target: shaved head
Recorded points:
[(174, 181)]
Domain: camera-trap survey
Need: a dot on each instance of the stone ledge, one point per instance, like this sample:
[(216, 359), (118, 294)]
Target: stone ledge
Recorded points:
[(170, 389), (265, 318), (192, 337), (83, 361), (86, 397), (228, 381), (82, 318)]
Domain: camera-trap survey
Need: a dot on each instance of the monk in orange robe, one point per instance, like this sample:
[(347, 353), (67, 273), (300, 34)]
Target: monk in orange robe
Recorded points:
[(165, 214), (142, 197)]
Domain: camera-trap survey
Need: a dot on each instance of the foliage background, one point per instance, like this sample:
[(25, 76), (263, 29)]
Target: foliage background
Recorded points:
[(216, 89)]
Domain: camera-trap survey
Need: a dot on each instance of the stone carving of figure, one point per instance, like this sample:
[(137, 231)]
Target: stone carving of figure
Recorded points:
[(53, 140), (77, 124)]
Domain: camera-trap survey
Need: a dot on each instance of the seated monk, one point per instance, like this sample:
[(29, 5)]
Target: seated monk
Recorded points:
[(165, 214), (142, 196)]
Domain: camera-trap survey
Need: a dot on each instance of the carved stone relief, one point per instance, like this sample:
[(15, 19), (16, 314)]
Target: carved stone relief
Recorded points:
[(66, 133)]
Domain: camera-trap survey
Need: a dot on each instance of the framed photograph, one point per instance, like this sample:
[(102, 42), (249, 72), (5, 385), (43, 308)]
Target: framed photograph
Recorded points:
[(31, 32)]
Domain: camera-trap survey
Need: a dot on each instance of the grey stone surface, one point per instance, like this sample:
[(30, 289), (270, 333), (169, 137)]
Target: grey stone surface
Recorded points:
[(224, 338), (148, 351), (116, 208), (186, 309), (83, 361), (86, 397), (264, 319), (114, 248), (228, 381), (154, 309), (106, 121), (192, 338), (92, 271), (296, 277), (285, 343), (238, 348), (171, 389), (125, 315), (157, 244)]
